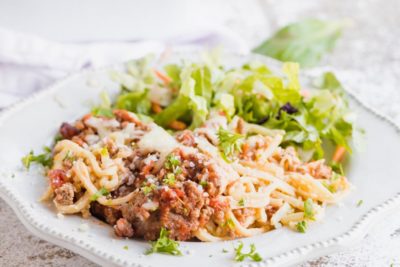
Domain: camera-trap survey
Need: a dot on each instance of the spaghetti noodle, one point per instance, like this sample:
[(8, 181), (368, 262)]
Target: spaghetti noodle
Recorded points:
[(140, 178)]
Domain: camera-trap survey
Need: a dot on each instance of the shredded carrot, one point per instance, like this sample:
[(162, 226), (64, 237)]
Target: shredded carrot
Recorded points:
[(177, 125), (245, 148), (156, 108), (87, 116), (338, 156), (163, 77)]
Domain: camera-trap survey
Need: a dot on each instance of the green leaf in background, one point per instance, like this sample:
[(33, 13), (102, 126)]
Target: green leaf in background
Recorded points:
[(329, 81), (304, 42)]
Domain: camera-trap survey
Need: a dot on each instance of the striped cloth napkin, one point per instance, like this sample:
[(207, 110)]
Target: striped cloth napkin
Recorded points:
[(29, 63)]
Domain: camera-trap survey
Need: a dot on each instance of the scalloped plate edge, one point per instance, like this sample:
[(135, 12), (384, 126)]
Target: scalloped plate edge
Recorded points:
[(300, 254)]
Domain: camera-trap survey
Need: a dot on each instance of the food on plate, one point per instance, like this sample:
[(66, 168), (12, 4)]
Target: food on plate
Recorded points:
[(200, 151)]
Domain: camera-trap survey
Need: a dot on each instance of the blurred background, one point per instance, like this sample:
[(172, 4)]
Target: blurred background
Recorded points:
[(44, 40)]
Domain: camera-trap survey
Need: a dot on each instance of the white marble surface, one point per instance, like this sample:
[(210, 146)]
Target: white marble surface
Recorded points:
[(370, 49)]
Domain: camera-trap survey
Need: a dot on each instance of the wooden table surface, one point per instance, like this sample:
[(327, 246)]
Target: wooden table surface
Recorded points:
[(370, 48)]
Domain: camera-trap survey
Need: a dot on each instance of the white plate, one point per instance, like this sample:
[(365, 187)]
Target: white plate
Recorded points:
[(33, 123)]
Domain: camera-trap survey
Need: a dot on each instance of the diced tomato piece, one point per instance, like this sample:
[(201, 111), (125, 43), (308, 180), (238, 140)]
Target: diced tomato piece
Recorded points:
[(57, 177)]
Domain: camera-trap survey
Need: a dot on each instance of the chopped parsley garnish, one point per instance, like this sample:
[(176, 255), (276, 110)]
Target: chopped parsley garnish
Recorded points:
[(229, 223), (203, 183), (178, 170), (164, 245), (308, 209), (68, 156), (169, 179), (360, 202), (241, 202), (102, 192), (172, 162), (301, 226), (224, 250), (330, 187), (147, 189), (253, 255), (125, 247), (229, 143), (44, 159)]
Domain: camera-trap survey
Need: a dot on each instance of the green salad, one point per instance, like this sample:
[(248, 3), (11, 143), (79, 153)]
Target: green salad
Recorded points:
[(180, 96)]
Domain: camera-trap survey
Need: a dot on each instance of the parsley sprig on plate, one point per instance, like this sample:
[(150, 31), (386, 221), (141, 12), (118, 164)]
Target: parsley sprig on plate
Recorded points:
[(252, 254), (229, 143), (43, 159), (164, 245), (309, 209)]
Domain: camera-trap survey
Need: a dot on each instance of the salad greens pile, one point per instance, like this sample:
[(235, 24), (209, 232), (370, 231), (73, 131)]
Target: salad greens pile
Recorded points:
[(189, 92)]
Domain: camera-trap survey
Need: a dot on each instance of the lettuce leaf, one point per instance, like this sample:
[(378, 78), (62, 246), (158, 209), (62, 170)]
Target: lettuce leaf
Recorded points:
[(253, 92), (194, 97), (137, 102)]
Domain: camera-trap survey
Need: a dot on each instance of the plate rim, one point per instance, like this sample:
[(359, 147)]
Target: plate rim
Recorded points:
[(299, 254)]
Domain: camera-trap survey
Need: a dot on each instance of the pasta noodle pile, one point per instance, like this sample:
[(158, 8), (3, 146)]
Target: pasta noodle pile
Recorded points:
[(122, 163)]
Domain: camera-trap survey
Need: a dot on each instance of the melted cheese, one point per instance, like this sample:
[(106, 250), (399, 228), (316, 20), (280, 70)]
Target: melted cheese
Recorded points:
[(103, 127), (158, 140)]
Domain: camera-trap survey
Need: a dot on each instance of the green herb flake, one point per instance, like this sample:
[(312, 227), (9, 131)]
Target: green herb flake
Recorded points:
[(164, 245), (229, 143), (241, 202), (125, 247), (230, 224), (147, 189), (253, 255), (225, 250), (178, 170), (301, 226), (69, 157), (43, 159), (308, 209), (360, 202), (169, 179), (172, 163), (203, 183), (330, 187), (101, 192)]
